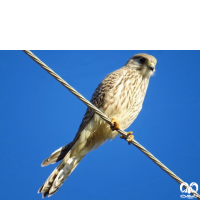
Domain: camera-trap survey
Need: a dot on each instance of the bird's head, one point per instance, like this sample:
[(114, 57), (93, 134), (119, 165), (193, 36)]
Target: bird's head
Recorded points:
[(143, 63)]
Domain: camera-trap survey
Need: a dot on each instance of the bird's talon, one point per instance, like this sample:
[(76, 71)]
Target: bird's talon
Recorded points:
[(129, 133), (114, 124), (129, 137)]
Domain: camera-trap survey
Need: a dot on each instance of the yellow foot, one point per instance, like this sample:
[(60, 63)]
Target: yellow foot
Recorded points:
[(114, 124), (129, 137)]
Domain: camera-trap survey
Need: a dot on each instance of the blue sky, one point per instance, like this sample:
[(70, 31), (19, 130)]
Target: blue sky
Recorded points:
[(38, 115)]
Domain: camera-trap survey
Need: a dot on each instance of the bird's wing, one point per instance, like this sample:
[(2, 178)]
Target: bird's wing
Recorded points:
[(98, 98)]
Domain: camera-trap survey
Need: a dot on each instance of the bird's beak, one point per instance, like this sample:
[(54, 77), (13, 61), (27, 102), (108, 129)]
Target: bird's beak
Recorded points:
[(151, 66)]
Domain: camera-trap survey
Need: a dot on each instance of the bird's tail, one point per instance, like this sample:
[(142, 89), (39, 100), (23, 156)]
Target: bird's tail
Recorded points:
[(61, 172)]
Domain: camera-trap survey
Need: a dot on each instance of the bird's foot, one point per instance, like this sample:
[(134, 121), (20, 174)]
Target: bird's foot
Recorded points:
[(114, 124), (129, 137)]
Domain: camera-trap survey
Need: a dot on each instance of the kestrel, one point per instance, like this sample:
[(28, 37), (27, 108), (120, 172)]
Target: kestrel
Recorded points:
[(120, 96)]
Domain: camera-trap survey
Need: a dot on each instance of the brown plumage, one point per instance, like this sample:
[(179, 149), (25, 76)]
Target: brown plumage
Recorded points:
[(120, 96)]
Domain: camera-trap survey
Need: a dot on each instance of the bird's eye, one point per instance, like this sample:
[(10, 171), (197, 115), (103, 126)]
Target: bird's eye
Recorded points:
[(142, 60)]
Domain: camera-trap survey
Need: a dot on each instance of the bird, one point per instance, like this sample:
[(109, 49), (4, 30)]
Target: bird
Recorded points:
[(120, 96)]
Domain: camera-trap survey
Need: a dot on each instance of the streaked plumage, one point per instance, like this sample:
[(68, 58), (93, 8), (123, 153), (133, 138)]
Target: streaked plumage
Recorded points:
[(120, 95)]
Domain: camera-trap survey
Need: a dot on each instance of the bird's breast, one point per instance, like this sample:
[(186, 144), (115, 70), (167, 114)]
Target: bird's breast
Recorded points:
[(124, 101)]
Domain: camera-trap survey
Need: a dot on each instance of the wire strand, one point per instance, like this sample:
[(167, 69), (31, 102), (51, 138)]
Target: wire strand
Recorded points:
[(108, 120)]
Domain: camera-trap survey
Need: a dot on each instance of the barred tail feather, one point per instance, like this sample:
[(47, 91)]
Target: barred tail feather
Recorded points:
[(59, 175), (57, 155)]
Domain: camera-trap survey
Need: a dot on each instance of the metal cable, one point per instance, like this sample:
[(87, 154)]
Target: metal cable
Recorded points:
[(108, 120)]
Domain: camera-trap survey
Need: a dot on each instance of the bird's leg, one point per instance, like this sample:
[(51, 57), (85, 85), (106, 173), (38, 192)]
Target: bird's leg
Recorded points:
[(114, 124), (129, 137)]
